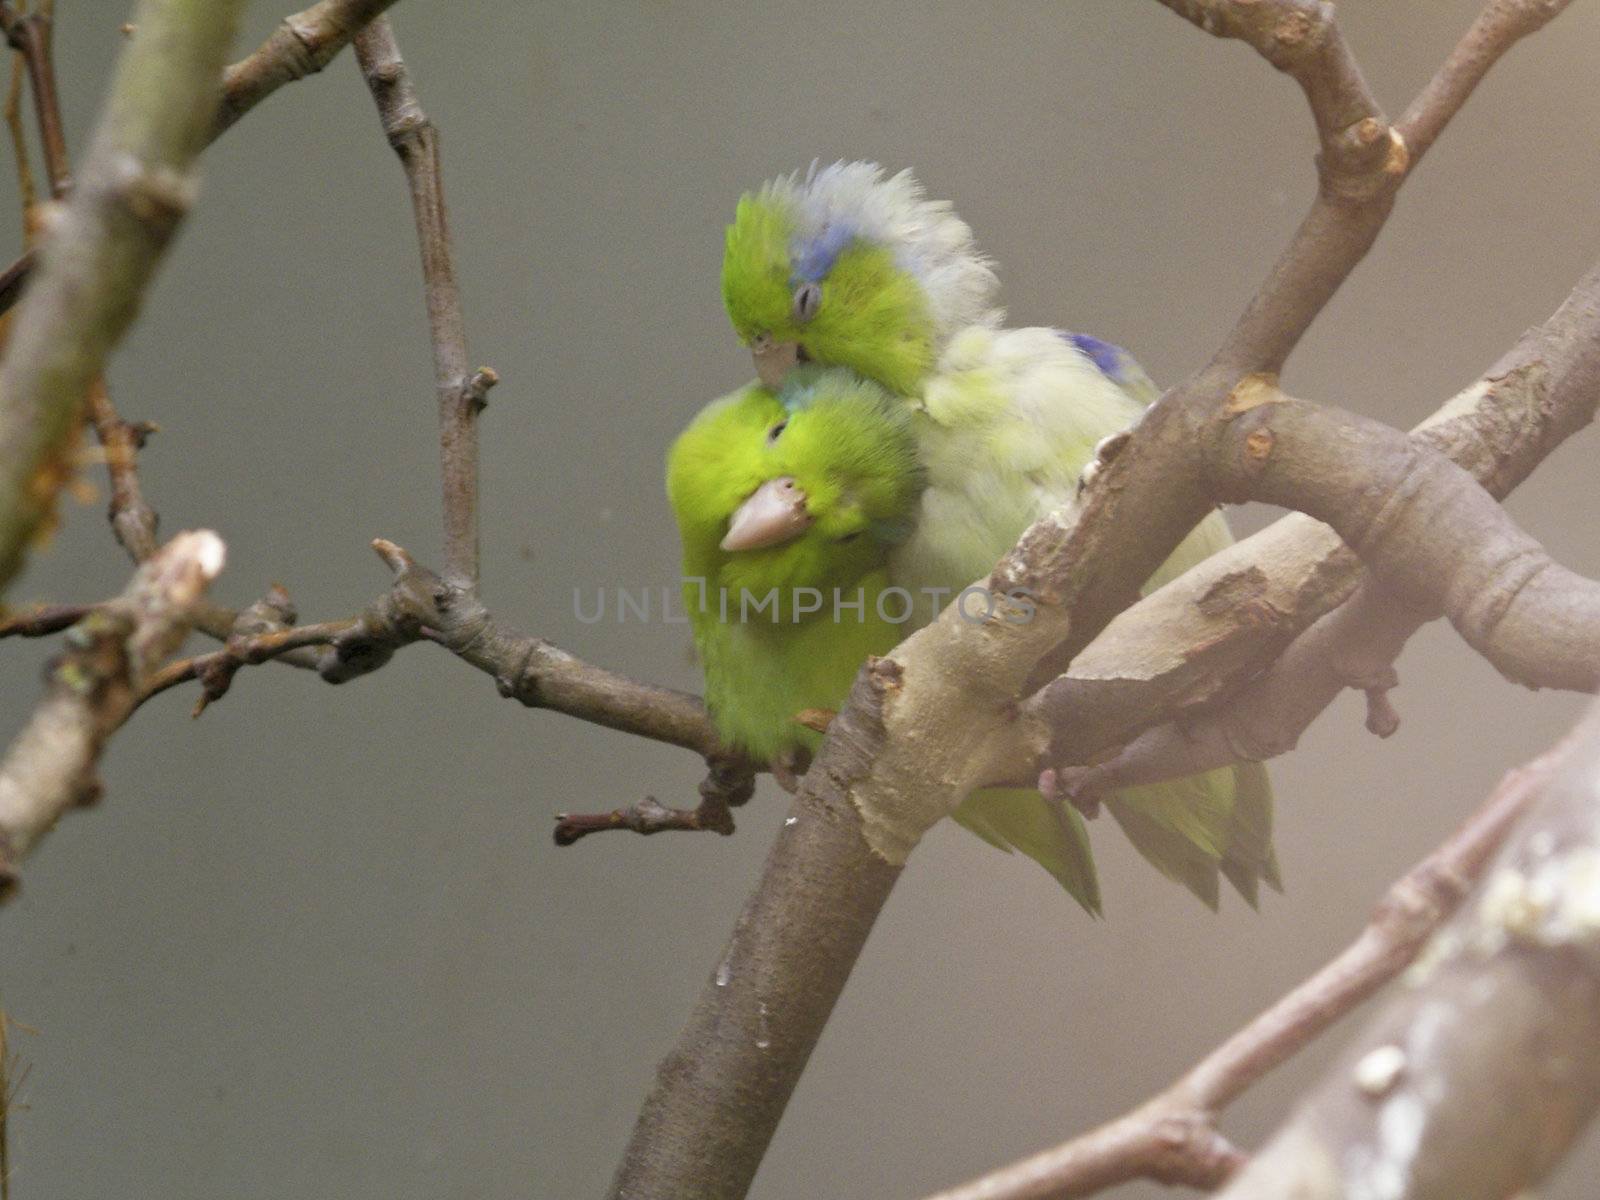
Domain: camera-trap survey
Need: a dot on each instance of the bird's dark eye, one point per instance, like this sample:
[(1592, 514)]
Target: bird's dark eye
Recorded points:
[(850, 537), (776, 432), (807, 300)]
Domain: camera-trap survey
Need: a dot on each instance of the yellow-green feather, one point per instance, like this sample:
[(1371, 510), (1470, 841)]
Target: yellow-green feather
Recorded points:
[(1004, 422), (848, 446)]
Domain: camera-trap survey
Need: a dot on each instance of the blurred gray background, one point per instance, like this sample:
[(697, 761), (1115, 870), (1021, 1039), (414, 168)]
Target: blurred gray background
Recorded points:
[(319, 943)]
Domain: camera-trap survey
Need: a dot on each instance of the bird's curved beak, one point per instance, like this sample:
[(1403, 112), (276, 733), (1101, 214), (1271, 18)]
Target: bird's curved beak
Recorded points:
[(773, 513), (774, 359)]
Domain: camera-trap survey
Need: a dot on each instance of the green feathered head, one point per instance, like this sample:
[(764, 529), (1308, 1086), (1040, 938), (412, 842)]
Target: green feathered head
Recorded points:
[(804, 488), (847, 268)]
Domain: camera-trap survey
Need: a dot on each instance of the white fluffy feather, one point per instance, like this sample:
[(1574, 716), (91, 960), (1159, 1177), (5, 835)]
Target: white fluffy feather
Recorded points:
[(928, 239)]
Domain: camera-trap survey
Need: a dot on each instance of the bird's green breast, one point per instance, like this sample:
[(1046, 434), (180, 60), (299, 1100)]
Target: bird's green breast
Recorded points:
[(760, 673)]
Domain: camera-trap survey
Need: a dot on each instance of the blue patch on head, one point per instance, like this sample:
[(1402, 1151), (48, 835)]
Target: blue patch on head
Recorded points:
[(810, 261), (1110, 359)]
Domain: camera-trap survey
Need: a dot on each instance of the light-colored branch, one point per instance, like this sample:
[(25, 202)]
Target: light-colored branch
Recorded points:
[(1174, 1138), (93, 688), (1424, 528), (302, 45), (136, 184), (1474, 1079), (132, 519), (461, 392), (1352, 647), (1205, 634)]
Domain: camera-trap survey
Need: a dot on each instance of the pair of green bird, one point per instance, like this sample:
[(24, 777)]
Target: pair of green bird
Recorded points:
[(896, 444)]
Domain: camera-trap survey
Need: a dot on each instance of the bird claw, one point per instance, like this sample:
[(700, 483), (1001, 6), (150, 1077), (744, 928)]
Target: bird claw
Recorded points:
[(788, 767), (1071, 785)]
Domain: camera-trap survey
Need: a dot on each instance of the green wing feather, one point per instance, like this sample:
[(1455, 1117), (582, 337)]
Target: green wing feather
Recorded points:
[(1004, 428), (1054, 836)]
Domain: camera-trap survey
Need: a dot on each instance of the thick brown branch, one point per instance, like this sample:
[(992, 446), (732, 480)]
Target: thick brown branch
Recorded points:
[(461, 392), (94, 686), (719, 1094), (302, 45), (98, 257), (1474, 1079), (1426, 530), (1172, 1137)]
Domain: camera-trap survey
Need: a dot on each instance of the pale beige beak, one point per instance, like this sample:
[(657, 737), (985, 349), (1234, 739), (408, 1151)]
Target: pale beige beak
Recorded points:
[(775, 512), (774, 360)]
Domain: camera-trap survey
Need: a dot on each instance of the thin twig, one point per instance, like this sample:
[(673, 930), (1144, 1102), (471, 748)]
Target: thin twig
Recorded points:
[(216, 670), (26, 188), (302, 45), (132, 519), (462, 393), (728, 784), (1500, 25), (1173, 1138), (42, 620), (313, 36), (30, 34)]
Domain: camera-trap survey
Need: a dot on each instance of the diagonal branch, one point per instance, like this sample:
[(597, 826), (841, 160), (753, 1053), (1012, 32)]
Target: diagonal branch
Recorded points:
[(1354, 646), (132, 519), (137, 183), (302, 45), (1173, 1138), (94, 687), (1302, 39), (1473, 1080)]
